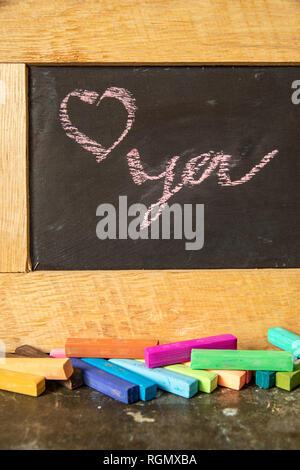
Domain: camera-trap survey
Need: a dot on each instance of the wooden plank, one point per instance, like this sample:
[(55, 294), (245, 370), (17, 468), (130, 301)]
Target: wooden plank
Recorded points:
[(13, 167), (150, 31), (44, 308)]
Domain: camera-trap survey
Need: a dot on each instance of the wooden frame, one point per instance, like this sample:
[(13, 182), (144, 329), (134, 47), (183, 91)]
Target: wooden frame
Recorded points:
[(14, 247), (43, 308)]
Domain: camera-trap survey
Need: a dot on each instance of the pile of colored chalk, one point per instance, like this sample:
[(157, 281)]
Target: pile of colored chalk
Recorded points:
[(183, 368)]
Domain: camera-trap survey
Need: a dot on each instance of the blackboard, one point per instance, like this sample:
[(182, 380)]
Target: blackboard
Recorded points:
[(223, 141)]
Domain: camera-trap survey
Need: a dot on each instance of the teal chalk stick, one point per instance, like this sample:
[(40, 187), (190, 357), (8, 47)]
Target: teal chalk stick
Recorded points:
[(284, 339), (167, 380), (265, 378), (241, 359), (148, 388)]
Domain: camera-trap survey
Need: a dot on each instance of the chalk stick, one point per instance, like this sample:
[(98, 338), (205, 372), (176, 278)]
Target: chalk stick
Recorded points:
[(10, 354), (29, 351), (58, 353), (18, 382), (106, 383), (51, 369), (265, 378), (234, 379), (249, 375), (108, 347), (284, 339), (174, 353), (148, 388), (73, 382), (288, 380), (296, 365), (207, 381), (241, 360), (167, 380)]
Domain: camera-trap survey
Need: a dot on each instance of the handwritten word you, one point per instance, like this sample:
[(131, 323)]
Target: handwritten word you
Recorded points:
[(195, 171)]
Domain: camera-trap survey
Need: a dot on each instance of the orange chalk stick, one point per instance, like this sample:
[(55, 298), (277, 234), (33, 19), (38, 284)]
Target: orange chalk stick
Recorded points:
[(234, 379), (52, 369), (108, 347), (18, 382)]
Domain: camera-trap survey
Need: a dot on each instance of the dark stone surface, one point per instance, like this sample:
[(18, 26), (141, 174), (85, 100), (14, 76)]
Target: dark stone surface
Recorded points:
[(85, 419)]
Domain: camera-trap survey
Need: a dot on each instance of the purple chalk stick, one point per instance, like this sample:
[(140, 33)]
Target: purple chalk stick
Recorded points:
[(174, 353), (115, 387)]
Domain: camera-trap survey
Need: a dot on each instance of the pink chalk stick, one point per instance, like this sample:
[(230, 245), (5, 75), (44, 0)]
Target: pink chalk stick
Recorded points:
[(58, 353), (174, 353)]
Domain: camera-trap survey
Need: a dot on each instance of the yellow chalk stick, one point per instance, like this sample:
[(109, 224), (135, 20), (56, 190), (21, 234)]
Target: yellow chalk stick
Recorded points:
[(52, 369), (18, 382)]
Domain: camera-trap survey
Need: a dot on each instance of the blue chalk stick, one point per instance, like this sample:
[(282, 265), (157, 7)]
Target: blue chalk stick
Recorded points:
[(284, 339), (119, 389), (148, 388), (168, 380), (265, 378)]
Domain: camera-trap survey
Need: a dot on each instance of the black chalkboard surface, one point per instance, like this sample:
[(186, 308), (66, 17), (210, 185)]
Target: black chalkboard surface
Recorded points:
[(223, 142)]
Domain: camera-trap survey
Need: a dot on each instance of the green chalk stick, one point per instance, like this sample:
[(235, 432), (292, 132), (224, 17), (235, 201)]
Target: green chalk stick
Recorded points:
[(288, 380), (297, 365), (208, 381), (241, 359)]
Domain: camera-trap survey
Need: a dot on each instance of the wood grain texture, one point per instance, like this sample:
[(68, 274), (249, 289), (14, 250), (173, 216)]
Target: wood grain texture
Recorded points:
[(150, 31), (13, 168), (44, 308)]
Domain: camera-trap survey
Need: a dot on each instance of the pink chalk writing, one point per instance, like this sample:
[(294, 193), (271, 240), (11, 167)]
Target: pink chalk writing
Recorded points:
[(91, 97), (196, 170), (211, 159)]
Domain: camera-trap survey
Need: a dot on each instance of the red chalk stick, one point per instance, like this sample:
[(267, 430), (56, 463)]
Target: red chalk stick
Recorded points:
[(174, 353), (248, 376)]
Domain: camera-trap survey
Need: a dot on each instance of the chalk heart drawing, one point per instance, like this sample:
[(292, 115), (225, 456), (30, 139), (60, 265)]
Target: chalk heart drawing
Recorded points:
[(196, 170), (92, 97)]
